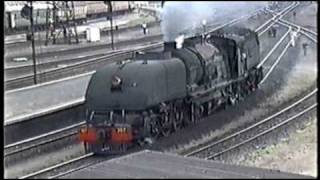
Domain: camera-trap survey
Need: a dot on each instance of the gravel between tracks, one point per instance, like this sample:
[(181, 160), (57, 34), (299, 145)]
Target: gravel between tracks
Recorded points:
[(296, 153)]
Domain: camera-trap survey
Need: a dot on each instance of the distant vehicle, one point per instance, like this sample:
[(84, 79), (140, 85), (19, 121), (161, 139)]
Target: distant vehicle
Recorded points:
[(14, 22)]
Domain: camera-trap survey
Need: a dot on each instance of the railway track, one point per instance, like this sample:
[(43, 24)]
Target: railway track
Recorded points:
[(211, 151), (76, 68), (93, 63), (46, 60), (304, 31), (18, 144), (82, 162), (231, 142), (21, 146), (269, 124), (72, 165), (42, 140)]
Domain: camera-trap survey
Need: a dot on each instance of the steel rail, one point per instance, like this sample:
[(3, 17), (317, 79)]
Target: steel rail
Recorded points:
[(264, 132), (88, 62), (79, 124), (37, 144), (40, 143), (302, 31), (117, 51), (273, 49), (70, 171), (267, 22), (275, 63), (73, 160), (57, 131), (120, 52), (43, 135), (56, 62), (277, 17), (63, 129), (56, 166), (290, 24), (92, 61), (296, 25), (192, 153)]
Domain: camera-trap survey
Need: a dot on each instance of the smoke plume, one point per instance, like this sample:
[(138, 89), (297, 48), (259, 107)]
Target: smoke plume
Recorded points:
[(187, 17)]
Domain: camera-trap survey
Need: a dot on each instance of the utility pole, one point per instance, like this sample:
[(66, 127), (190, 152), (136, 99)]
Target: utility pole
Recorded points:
[(51, 22), (53, 30), (111, 29), (48, 24), (74, 22), (27, 13), (67, 15), (33, 48)]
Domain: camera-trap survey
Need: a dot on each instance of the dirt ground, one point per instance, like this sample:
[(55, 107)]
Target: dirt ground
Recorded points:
[(297, 154)]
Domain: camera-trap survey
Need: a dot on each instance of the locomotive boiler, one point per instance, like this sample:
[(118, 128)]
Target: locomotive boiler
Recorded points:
[(136, 101)]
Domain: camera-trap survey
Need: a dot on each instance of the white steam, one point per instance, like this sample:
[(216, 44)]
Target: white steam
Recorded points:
[(185, 17)]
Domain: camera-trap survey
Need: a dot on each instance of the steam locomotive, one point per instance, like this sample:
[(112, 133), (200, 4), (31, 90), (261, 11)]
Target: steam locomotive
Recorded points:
[(137, 101)]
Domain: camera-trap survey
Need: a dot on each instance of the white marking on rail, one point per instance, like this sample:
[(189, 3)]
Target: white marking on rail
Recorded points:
[(264, 24), (267, 28), (302, 32), (314, 40), (275, 19), (273, 49), (25, 117), (306, 29), (274, 65)]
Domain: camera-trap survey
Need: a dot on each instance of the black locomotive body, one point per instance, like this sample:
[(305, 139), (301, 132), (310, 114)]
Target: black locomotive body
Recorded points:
[(136, 101)]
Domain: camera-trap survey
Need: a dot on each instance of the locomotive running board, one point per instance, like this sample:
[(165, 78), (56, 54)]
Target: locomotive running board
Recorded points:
[(201, 96)]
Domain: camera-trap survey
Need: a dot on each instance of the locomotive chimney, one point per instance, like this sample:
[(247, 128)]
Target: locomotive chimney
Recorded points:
[(169, 46), (177, 44)]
